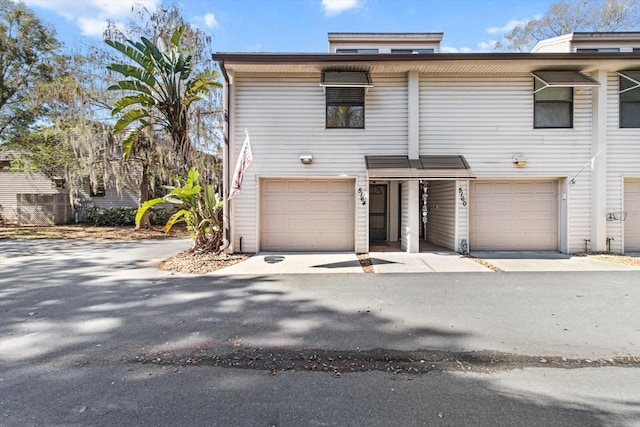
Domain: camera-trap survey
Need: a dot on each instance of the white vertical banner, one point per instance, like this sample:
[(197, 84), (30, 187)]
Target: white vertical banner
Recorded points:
[(244, 160)]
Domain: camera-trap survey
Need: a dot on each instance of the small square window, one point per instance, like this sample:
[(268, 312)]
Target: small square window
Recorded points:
[(345, 107), (553, 106)]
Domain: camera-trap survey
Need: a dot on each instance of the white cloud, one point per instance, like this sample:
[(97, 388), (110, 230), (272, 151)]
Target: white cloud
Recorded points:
[(91, 15), (336, 7), (92, 27), (122, 8), (506, 28), (208, 20), (486, 46)]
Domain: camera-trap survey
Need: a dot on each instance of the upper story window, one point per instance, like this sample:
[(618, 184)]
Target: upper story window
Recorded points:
[(345, 107), (599, 49), (356, 50), (553, 106), (630, 99), (553, 96), (410, 51), (345, 92)]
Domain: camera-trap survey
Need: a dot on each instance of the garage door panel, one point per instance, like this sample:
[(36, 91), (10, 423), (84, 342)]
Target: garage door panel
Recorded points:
[(312, 215), (514, 215), (273, 207), (342, 187), (340, 205), (274, 187), (318, 205), (320, 186), (483, 206), (524, 206)]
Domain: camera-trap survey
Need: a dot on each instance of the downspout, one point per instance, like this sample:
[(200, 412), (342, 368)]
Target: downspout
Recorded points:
[(226, 228)]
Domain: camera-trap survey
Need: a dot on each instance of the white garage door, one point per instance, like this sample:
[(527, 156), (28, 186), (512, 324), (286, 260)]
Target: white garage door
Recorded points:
[(632, 221), (307, 215), (513, 215)]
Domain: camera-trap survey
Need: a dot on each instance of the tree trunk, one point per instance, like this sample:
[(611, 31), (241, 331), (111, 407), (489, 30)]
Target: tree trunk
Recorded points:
[(145, 184)]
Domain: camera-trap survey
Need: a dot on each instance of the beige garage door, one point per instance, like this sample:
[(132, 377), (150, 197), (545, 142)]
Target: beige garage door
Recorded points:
[(307, 215), (632, 221), (513, 215)]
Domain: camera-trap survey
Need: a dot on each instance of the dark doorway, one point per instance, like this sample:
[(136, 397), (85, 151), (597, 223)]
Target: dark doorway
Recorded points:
[(377, 212)]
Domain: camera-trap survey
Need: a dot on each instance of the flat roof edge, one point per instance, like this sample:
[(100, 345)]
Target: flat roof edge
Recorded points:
[(395, 57)]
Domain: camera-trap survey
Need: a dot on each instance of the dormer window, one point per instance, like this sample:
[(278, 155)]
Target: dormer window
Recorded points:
[(411, 51), (599, 50), (356, 50)]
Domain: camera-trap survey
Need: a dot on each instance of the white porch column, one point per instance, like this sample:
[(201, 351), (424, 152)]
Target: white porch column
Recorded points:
[(413, 151), (413, 227), (599, 172)]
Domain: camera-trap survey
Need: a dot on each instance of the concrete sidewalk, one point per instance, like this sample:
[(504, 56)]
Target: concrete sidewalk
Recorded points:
[(423, 262)]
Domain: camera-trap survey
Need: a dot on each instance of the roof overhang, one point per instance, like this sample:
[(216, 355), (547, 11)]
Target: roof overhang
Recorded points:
[(424, 167), (436, 63), (563, 78)]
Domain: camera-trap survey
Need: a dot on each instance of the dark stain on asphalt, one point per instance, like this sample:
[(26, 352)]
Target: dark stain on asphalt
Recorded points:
[(338, 362)]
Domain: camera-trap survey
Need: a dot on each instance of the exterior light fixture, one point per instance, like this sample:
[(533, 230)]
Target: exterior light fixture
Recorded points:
[(306, 159), (519, 160)]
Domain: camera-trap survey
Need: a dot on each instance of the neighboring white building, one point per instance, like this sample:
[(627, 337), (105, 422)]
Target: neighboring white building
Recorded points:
[(590, 43), (32, 198), (353, 148)]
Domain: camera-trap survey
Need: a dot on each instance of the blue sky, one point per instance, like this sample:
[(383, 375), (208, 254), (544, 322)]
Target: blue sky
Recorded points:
[(302, 25)]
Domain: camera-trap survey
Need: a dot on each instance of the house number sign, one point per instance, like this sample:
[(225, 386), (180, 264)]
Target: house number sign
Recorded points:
[(363, 196), (462, 198)]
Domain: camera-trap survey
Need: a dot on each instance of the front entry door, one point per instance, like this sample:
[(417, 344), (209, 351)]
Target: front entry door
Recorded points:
[(377, 212)]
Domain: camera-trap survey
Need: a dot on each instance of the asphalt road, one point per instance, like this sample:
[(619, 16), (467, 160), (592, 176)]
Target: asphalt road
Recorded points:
[(76, 319)]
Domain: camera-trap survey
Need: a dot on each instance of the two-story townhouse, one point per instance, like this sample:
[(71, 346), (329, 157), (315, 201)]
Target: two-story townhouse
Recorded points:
[(385, 140)]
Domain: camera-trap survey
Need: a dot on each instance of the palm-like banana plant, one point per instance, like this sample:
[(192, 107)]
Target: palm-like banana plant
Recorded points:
[(200, 208), (160, 90)]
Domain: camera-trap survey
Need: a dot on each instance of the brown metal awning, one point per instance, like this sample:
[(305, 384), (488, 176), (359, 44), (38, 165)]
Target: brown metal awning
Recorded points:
[(425, 167), (633, 77), (346, 79), (564, 79)]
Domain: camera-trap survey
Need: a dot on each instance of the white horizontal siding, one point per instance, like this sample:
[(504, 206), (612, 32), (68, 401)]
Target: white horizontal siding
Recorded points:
[(442, 213), (285, 116), (488, 119), (13, 183), (623, 161), (112, 199)]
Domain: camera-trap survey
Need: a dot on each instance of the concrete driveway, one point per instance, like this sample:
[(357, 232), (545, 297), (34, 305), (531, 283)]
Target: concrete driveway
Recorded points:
[(424, 262), (547, 261)]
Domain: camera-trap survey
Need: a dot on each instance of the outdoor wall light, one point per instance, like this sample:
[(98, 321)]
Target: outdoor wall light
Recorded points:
[(519, 160), (306, 159)]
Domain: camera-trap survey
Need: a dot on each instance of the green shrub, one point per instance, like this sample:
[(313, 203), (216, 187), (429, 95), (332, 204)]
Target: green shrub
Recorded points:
[(159, 216), (121, 217)]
